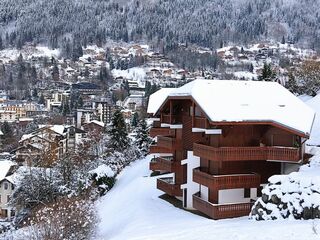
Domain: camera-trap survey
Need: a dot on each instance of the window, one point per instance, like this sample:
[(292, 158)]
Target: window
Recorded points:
[(191, 111), (12, 186), (247, 192), (8, 198), (6, 186)]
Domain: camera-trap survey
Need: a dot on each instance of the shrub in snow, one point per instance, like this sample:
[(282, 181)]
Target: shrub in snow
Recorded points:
[(103, 177), (66, 219), (34, 186), (119, 160), (295, 196)]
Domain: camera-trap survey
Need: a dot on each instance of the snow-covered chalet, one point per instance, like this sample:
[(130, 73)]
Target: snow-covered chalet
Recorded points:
[(223, 139)]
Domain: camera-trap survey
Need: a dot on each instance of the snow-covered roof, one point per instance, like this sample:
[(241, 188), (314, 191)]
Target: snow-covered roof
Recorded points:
[(244, 101), (5, 166), (59, 129), (55, 128), (156, 99), (97, 122)]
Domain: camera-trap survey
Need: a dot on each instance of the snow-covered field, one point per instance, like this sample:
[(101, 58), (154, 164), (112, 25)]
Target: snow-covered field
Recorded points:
[(132, 210), (28, 52), (137, 74)]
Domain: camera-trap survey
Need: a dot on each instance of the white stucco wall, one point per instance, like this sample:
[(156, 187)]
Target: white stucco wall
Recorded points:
[(204, 193), (192, 187), (236, 195)]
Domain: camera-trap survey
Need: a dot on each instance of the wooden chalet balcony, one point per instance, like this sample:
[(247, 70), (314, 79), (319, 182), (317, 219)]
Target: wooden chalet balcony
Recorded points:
[(226, 181), (170, 119), (156, 124), (162, 164), (220, 211), (167, 185), (246, 153), (200, 122), (169, 143), (162, 132), (158, 149)]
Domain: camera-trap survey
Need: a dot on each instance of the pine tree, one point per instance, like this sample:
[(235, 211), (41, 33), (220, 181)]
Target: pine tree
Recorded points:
[(55, 73), (6, 129), (33, 74), (118, 132), (41, 99), (80, 102), (267, 73), (251, 68), (65, 108), (35, 93), (143, 140), (134, 120), (291, 84), (1, 43)]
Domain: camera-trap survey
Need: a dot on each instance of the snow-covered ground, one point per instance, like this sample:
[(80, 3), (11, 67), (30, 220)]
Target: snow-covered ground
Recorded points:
[(137, 74), (132, 211), (28, 52), (245, 75)]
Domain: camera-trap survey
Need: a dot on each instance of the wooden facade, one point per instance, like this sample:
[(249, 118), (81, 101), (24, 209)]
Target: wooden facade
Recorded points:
[(232, 155)]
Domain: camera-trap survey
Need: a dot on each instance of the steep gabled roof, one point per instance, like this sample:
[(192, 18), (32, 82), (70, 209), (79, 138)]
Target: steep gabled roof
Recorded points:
[(244, 101), (156, 99), (5, 167)]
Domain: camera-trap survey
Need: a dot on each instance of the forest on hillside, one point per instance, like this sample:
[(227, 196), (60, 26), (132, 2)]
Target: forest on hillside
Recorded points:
[(209, 23)]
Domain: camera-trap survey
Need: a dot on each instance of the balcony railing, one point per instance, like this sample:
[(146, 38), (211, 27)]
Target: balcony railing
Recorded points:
[(169, 143), (246, 153), (170, 119), (158, 149), (200, 122), (162, 132), (167, 185), (226, 181), (162, 164), (220, 211)]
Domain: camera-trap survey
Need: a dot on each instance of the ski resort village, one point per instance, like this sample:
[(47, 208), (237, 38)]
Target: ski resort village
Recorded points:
[(133, 141)]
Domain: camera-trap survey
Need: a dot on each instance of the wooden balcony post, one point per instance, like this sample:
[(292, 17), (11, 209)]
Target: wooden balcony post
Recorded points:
[(213, 195), (193, 112), (171, 108)]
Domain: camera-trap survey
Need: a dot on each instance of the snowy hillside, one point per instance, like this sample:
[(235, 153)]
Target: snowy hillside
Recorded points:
[(314, 103), (132, 210), (27, 52)]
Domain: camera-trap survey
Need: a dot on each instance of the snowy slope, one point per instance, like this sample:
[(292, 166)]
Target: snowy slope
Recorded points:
[(314, 103), (132, 210)]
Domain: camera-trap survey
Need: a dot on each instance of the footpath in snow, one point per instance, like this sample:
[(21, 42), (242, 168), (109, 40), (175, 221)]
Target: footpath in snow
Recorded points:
[(132, 210)]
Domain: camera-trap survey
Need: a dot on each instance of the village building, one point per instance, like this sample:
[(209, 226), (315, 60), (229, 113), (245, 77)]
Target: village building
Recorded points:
[(222, 140), (47, 143), (8, 116), (7, 185)]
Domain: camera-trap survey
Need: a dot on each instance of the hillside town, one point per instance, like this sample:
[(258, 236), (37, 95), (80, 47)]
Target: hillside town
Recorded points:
[(56, 111)]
